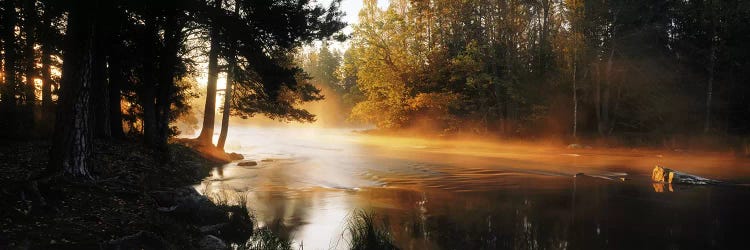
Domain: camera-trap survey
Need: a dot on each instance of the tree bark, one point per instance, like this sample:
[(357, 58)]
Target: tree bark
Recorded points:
[(7, 94), (29, 27), (148, 78), (207, 132), (71, 144), (100, 89), (116, 76), (232, 66), (169, 60), (575, 93), (116, 81)]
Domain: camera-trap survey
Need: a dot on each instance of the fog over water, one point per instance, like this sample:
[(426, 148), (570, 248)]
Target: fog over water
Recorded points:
[(459, 194)]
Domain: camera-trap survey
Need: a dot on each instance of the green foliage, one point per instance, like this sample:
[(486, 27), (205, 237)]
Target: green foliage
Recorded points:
[(512, 66)]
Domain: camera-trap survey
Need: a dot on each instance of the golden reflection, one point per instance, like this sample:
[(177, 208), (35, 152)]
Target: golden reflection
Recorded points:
[(662, 187)]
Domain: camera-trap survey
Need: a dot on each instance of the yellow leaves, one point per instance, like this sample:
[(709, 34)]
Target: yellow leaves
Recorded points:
[(432, 101)]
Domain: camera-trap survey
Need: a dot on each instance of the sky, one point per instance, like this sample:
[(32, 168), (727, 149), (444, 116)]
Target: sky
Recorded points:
[(351, 10)]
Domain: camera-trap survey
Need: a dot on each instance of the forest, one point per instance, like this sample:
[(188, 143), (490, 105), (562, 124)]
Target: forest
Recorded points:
[(80, 71), (649, 71), (91, 92)]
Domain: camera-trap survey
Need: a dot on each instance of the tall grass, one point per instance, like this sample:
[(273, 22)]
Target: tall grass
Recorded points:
[(264, 239), (365, 233)]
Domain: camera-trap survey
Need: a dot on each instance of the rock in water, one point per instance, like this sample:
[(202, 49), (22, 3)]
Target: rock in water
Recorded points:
[(247, 163), (210, 242), (666, 175)]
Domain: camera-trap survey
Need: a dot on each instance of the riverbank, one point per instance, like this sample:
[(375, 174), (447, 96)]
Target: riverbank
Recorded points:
[(138, 200)]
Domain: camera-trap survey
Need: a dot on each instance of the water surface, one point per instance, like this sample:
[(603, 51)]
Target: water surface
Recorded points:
[(454, 194)]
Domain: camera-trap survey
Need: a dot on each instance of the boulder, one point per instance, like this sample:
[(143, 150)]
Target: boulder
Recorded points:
[(210, 242), (666, 175), (187, 204), (247, 163)]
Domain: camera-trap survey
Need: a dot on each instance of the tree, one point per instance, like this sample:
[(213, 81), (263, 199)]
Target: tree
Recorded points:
[(72, 141), (209, 113)]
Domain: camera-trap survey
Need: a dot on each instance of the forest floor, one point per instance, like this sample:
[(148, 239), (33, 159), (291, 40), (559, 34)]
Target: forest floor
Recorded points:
[(138, 200)]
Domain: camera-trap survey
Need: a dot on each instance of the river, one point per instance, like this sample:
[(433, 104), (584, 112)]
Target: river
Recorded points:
[(460, 194)]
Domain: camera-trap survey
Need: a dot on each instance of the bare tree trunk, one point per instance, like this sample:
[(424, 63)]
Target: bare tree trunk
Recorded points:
[(169, 59), (148, 90), (7, 94), (46, 61), (100, 89), (116, 81), (207, 132), (598, 96), (605, 122), (116, 76), (575, 93), (29, 27), (232, 66), (46, 77), (71, 145), (227, 108)]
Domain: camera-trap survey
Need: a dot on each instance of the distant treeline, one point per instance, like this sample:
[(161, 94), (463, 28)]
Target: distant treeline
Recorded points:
[(570, 67), (83, 70)]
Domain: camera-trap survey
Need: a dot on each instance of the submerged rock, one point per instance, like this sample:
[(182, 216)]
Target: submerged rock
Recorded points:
[(247, 163), (666, 175)]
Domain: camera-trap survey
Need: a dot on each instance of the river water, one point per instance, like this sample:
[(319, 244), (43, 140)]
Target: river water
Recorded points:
[(456, 194)]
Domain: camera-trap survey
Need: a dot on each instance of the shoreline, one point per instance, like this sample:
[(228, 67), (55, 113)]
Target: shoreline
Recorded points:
[(139, 200)]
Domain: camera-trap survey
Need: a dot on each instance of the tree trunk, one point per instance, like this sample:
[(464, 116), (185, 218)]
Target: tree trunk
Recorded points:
[(207, 132), (148, 77), (100, 92), (71, 144), (116, 76), (227, 108), (575, 93), (29, 27), (232, 66), (46, 77), (116, 81), (169, 60), (7, 95)]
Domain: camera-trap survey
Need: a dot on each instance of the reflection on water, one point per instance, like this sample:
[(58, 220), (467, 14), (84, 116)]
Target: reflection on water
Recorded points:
[(470, 195)]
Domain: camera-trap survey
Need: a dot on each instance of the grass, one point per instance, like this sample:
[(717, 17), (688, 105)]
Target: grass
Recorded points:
[(366, 233), (265, 239)]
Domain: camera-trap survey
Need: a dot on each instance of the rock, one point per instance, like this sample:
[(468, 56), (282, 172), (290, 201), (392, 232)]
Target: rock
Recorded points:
[(213, 229), (210, 242), (247, 163), (140, 240), (235, 156), (666, 175), (189, 205)]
